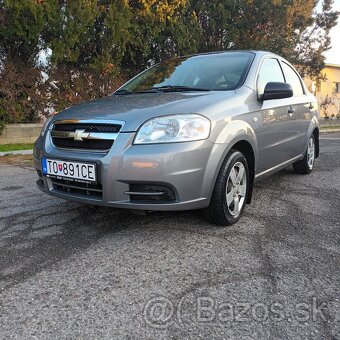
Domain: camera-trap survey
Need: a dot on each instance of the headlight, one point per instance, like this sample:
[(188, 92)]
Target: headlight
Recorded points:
[(45, 126), (174, 128)]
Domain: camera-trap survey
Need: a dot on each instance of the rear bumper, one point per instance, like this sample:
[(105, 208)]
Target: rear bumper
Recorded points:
[(187, 169)]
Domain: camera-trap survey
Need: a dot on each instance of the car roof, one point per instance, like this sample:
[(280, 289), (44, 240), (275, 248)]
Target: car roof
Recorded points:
[(257, 52)]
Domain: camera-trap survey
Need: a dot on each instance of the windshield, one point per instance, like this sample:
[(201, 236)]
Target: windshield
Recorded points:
[(221, 71)]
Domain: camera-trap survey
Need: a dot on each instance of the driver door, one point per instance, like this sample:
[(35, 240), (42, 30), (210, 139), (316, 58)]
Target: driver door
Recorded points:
[(273, 132)]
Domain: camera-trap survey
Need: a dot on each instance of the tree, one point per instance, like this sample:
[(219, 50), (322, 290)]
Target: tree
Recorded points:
[(215, 19), (54, 53), (314, 41), (21, 25), (22, 22), (291, 28), (160, 29), (81, 43)]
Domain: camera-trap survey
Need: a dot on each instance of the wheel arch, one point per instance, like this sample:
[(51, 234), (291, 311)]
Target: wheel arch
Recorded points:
[(244, 144), (247, 150)]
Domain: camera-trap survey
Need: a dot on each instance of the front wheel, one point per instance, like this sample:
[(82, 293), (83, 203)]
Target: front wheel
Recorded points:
[(230, 192), (306, 164)]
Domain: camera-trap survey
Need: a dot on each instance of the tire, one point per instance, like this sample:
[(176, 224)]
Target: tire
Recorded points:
[(230, 182), (306, 164)]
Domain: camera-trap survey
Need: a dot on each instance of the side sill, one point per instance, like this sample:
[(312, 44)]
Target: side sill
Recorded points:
[(276, 168)]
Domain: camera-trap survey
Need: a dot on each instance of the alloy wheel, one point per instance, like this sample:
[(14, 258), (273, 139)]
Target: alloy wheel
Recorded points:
[(236, 189), (311, 153)]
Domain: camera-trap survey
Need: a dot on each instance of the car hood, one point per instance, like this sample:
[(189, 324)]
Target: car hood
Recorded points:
[(135, 109)]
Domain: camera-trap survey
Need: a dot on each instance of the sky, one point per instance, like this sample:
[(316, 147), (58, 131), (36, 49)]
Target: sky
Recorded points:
[(333, 55)]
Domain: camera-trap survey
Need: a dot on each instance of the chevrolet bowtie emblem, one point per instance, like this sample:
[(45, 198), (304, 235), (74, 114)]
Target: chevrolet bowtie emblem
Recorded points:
[(79, 135)]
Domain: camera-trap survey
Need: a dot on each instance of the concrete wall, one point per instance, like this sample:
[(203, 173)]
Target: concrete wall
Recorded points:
[(20, 133)]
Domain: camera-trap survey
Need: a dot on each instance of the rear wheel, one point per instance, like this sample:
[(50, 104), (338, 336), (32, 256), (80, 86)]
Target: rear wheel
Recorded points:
[(230, 192), (306, 164)]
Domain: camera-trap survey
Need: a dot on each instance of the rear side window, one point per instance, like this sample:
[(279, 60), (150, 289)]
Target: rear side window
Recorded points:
[(270, 72), (293, 79)]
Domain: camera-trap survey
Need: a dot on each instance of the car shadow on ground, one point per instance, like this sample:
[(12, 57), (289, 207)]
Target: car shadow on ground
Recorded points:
[(40, 235), (34, 239), (38, 239)]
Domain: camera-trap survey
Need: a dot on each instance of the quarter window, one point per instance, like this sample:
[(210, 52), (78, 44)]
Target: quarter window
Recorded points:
[(270, 72), (292, 79)]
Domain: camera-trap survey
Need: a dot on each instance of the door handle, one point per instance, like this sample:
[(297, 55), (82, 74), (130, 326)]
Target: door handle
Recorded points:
[(291, 111), (311, 106)]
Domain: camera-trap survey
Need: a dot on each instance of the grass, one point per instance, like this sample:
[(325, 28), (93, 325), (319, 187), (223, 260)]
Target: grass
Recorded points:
[(17, 160), (15, 147), (329, 127)]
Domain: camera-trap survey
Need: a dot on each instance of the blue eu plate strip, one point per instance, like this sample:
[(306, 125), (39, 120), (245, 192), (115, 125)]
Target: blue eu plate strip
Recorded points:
[(44, 165)]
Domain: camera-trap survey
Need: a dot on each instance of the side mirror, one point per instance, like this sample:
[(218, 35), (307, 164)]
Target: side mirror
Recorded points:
[(275, 90)]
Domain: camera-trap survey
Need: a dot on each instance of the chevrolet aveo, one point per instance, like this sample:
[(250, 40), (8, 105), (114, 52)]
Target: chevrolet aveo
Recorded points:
[(193, 132)]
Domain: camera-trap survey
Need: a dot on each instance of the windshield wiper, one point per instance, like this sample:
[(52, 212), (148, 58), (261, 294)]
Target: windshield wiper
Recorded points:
[(165, 88), (170, 88), (122, 91)]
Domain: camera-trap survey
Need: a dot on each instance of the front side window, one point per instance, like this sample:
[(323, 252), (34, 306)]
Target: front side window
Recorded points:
[(270, 72), (221, 71), (293, 79)]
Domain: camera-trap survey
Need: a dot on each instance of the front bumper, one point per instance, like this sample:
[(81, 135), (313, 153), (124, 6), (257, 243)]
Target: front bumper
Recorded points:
[(188, 169)]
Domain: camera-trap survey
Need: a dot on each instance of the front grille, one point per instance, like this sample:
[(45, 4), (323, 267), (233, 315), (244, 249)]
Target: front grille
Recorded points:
[(88, 127), (83, 135), (94, 144), (83, 189), (153, 193)]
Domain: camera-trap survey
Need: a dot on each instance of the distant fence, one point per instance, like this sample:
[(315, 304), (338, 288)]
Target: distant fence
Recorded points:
[(20, 133)]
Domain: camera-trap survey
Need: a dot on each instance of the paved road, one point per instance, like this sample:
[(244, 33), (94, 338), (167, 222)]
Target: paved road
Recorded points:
[(74, 271)]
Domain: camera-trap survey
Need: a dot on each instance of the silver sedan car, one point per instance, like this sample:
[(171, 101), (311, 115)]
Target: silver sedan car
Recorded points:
[(193, 132)]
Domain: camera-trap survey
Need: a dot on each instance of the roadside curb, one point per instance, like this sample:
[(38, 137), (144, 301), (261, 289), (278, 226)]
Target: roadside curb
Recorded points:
[(17, 152)]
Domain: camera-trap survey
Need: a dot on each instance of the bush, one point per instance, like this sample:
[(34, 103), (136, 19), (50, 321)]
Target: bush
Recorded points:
[(25, 95), (20, 93), (2, 125)]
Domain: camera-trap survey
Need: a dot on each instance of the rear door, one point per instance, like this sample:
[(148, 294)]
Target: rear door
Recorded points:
[(273, 134)]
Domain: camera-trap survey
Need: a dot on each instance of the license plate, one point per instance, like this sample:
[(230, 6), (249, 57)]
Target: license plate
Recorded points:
[(76, 171)]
